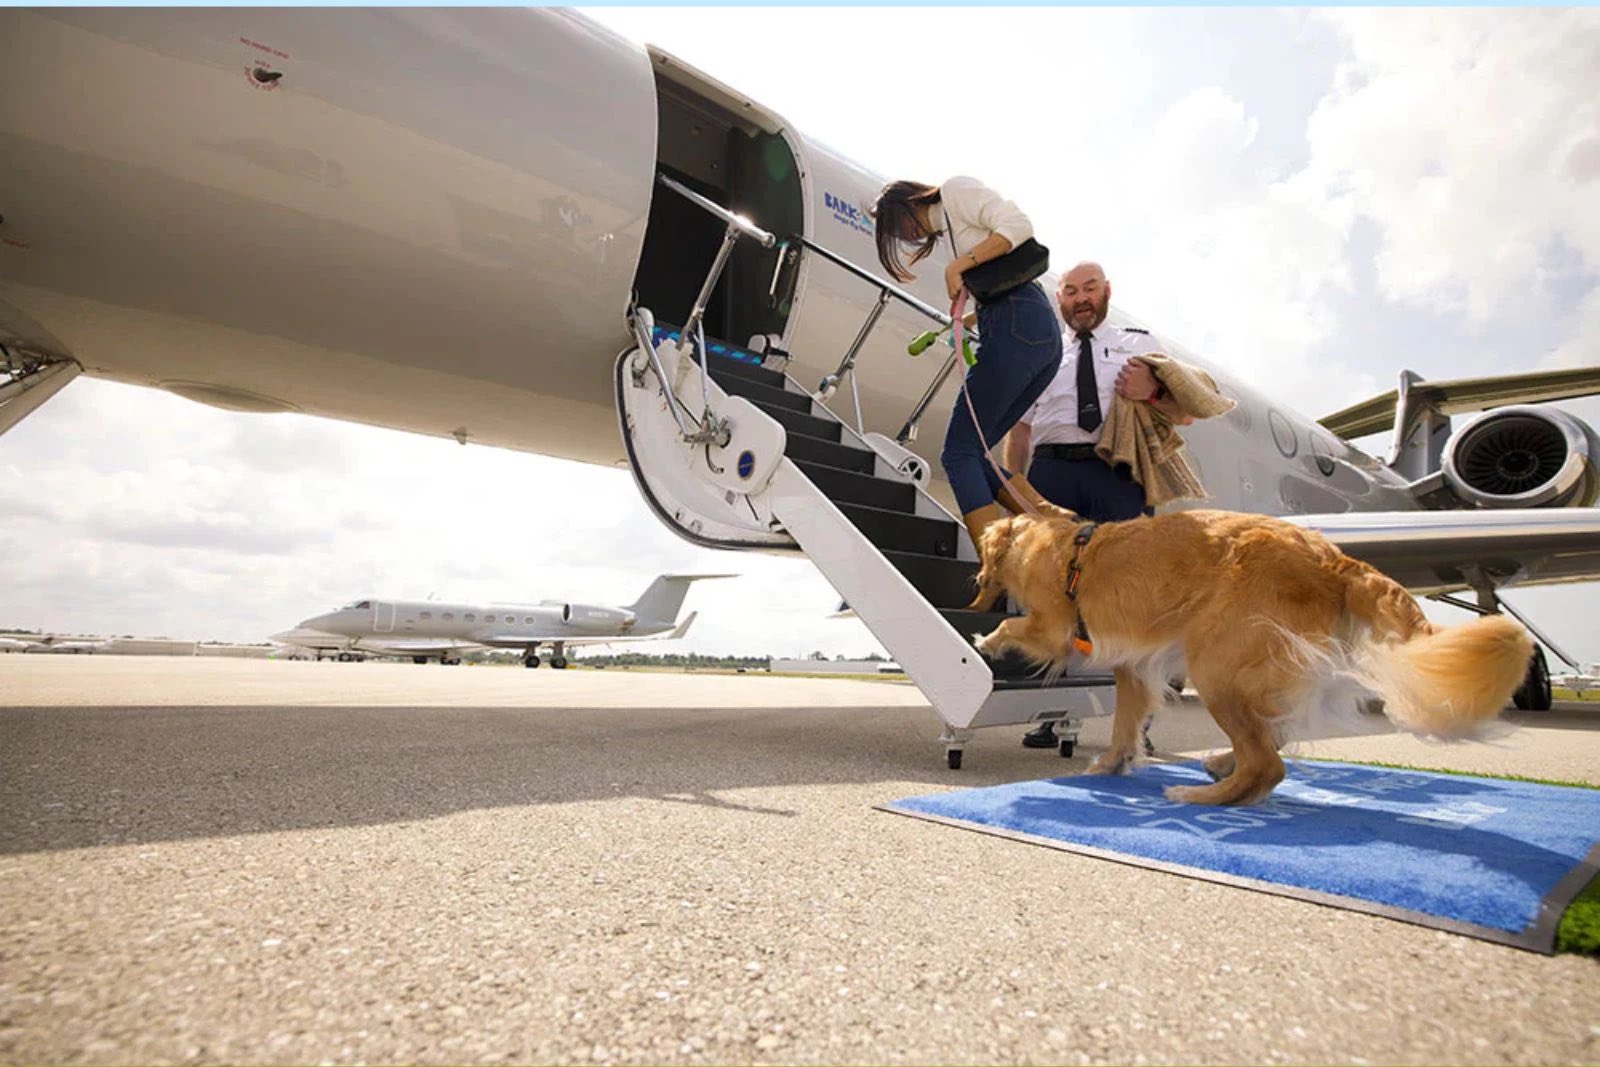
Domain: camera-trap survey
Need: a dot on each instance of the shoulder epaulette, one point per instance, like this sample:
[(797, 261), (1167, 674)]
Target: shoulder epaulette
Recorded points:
[(1135, 329)]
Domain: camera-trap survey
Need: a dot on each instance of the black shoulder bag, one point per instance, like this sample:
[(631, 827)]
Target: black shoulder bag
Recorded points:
[(994, 279)]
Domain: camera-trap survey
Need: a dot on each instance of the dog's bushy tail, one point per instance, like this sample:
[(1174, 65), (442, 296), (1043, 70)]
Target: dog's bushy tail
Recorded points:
[(1442, 682)]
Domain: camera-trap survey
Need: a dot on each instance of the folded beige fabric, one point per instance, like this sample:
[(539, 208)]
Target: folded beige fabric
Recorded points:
[(1137, 434)]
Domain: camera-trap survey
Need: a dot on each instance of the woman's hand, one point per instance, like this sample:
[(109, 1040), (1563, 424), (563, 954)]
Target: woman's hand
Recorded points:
[(952, 277), (1135, 381)]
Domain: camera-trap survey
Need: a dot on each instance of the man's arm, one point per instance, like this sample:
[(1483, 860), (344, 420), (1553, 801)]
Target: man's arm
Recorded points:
[(1017, 449)]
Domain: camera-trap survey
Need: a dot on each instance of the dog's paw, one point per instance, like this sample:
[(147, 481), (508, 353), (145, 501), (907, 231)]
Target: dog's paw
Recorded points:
[(988, 644), (1111, 763)]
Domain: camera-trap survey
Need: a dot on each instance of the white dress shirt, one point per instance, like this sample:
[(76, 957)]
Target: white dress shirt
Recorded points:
[(972, 211), (1054, 416)]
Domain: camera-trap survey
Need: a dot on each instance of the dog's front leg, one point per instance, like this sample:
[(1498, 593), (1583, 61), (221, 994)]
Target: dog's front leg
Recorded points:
[(1134, 703)]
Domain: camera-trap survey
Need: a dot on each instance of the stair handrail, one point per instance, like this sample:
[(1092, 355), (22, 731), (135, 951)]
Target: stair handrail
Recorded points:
[(908, 432), (712, 430)]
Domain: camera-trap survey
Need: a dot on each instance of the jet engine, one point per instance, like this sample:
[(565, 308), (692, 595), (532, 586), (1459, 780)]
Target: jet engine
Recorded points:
[(596, 620), (1524, 457)]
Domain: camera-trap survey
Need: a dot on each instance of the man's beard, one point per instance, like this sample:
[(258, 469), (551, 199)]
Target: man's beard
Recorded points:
[(1096, 311)]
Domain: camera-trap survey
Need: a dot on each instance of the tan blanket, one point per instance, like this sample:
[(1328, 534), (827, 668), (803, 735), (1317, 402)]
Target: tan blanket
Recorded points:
[(1137, 434)]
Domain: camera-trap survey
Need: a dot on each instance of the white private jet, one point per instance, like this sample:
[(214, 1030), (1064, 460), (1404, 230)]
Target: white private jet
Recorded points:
[(482, 224), (428, 629)]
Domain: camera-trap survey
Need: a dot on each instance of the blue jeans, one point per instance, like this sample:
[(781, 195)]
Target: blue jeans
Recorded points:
[(1020, 353), (1091, 487)]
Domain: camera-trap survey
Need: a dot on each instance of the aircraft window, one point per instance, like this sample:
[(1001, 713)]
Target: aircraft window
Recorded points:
[(488, 618), (449, 615), (470, 617), (358, 605), (528, 620), (427, 614)]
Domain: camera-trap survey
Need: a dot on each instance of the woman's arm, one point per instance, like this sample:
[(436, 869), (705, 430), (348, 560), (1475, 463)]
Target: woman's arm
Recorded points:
[(991, 247)]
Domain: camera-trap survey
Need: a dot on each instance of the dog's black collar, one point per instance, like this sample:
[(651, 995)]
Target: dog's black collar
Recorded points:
[(1074, 572)]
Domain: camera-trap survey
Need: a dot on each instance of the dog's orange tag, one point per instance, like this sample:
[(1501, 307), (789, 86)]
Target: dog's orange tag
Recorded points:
[(1083, 645)]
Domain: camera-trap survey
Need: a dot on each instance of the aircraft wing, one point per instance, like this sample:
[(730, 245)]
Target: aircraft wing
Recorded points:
[(1460, 395), (524, 640), (1436, 551)]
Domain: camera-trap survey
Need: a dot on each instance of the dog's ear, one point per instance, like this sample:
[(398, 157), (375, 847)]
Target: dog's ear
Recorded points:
[(993, 544)]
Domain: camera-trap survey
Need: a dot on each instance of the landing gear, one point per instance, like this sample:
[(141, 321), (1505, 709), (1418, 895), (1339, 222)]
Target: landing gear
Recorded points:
[(419, 659), (952, 758), (1067, 747), (530, 662), (450, 661), (1535, 694), (345, 657), (558, 663)]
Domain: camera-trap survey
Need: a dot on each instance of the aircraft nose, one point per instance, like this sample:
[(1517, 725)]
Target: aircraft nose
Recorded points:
[(326, 623)]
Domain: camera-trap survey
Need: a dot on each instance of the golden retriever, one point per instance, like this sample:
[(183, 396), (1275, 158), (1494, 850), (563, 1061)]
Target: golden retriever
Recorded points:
[(1263, 612)]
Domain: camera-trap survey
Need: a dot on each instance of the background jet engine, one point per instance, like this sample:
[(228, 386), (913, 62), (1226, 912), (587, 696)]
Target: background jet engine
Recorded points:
[(593, 619), (1524, 457)]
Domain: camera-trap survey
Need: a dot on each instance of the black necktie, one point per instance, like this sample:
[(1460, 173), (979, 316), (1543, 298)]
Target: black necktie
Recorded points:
[(1088, 391)]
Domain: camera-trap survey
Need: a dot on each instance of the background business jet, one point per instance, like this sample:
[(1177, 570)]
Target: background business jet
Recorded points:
[(517, 228), (429, 629)]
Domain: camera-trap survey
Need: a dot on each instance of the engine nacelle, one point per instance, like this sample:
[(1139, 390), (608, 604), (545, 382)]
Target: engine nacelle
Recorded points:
[(593, 619), (1524, 457)]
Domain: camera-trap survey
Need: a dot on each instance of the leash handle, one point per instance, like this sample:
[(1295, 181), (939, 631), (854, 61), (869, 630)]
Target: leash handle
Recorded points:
[(958, 327)]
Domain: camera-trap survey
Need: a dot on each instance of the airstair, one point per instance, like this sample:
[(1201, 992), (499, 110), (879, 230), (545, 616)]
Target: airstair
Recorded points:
[(730, 451)]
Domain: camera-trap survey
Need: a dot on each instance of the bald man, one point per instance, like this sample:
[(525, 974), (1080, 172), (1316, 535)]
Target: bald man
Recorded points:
[(1054, 442)]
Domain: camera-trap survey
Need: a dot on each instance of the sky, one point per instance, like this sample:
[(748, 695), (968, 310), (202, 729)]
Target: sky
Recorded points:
[(1315, 199)]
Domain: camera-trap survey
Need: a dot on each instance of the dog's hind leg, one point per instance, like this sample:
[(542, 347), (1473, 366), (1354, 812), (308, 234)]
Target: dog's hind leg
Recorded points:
[(1257, 767), (1135, 702)]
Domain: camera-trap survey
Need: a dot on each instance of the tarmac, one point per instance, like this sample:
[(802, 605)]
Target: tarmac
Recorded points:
[(264, 862)]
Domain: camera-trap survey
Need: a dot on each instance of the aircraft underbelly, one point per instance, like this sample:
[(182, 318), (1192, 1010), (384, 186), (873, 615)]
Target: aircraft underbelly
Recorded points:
[(338, 211)]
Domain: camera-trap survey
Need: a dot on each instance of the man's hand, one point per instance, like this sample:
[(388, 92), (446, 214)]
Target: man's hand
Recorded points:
[(1135, 381)]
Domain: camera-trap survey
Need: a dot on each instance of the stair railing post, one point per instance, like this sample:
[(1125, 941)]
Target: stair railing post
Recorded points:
[(847, 365), (908, 432)]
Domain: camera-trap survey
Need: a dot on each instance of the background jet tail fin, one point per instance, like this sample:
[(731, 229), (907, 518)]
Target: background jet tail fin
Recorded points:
[(1460, 395), (683, 627), (662, 600)]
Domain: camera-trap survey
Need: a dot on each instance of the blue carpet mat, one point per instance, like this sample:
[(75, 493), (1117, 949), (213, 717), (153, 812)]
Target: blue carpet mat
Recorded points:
[(1495, 859)]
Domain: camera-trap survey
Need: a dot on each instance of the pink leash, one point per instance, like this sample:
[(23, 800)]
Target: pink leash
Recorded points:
[(958, 327)]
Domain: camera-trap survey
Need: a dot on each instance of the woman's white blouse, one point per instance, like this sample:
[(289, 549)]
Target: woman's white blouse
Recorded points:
[(972, 211)]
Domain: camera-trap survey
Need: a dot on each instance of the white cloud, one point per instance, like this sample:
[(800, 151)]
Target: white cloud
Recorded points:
[(1468, 136)]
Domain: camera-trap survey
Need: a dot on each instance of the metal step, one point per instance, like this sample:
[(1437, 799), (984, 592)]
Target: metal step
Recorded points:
[(764, 395), (945, 582), (898, 532), (853, 487), (807, 425), (729, 357), (804, 449), (752, 372)]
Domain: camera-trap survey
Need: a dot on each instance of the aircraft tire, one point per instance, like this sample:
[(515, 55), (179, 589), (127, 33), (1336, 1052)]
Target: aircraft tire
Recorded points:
[(1535, 693), (558, 663), (530, 662)]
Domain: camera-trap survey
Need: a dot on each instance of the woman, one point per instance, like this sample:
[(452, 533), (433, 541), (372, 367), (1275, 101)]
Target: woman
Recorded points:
[(1020, 334)]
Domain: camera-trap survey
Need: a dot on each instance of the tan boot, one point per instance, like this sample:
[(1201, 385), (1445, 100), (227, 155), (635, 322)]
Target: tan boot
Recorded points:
[(1020, 496), (977, 521)]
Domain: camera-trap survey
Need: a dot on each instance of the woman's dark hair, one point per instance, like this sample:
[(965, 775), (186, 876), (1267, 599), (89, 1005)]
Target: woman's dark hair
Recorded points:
[(894, 208)]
